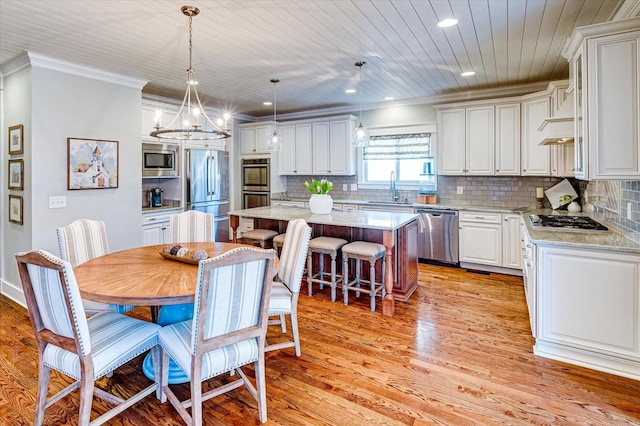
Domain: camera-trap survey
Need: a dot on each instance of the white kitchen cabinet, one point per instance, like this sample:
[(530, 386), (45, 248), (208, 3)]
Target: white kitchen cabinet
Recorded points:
[(481, 238), (477, 138), (563, 160), (287, 203), (451, 141), (333, 153), (511, 241), (466, 141), (507, 140), (295, 156), (254, 137), (536, 160), (606, 78), (529, 276), (589, 308), (216, 144), (155, 227), (386, 208)]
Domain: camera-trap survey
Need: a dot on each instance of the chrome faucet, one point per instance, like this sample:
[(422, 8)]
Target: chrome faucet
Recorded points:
[(392, 187)]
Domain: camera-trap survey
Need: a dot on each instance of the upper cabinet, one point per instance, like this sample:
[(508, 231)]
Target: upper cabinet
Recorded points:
[(254, 137), (479, 139), (535, 157), (318, 147), (605, 65)]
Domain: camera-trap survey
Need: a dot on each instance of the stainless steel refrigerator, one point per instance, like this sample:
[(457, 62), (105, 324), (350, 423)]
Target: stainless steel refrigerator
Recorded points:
[(208, 186)]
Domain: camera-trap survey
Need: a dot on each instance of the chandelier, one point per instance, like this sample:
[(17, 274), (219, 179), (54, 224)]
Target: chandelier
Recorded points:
[(195, 116)]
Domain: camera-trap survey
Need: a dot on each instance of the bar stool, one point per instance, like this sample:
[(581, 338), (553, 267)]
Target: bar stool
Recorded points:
[(259, 236), (370, 252), (278, 242), (322, 246)]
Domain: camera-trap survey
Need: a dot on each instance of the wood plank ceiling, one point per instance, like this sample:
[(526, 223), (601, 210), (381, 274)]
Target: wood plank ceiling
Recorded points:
[(310, 45)]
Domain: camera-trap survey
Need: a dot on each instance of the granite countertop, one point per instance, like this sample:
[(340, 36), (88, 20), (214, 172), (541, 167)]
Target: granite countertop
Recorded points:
[(499, 209), (354, 219), (159, 209), (611, 240)]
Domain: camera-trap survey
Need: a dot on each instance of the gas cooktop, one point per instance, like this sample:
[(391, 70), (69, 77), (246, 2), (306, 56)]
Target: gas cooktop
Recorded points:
[(566, 223)]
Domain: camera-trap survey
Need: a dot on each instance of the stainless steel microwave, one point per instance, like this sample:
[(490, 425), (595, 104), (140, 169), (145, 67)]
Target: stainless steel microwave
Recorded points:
[(160, 160)]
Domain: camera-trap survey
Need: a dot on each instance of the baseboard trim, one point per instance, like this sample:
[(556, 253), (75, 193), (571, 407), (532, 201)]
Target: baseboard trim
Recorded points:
[(13, 292)]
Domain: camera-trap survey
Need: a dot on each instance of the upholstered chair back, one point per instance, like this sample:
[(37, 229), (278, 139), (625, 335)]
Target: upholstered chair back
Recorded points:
[(192, 226), (294, 254), (82, 240)]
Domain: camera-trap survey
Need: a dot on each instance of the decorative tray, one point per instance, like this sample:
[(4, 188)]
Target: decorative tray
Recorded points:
[(180, 259)]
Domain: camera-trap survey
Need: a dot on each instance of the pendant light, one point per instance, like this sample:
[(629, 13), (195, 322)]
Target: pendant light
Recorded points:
[(275, 141), (192, 107), (360, 136)]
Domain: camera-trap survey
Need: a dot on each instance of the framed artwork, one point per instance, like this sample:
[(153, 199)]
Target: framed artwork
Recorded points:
[(92, 164), (16, 139), (16, 174), (15, 209)]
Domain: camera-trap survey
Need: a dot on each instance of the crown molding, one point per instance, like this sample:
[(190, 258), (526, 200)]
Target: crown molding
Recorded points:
[(38, 60)]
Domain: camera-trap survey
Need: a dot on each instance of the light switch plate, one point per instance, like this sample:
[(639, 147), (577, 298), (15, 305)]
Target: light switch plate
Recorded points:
[(460, 190), (58, 202), (354, 186), (345, 187)]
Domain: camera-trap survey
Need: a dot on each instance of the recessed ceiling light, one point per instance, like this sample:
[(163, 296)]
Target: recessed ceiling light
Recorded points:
[(449, 22), (389, 98), (468, 73), (350, 91), (267, 103)]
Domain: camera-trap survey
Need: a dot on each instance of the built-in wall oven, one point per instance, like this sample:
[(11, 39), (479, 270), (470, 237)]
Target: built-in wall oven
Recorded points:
[(256, 185)]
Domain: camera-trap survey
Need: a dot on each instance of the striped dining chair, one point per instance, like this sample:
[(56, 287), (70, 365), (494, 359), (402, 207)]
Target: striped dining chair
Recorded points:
[(226, 333), (286, 286), (82, 348), (83, 240), (192, 226)]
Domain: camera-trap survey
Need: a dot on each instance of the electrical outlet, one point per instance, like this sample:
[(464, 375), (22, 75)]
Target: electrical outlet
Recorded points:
[(344, 187), (59, 202), (629, 212), (460, 190), (354, 186)]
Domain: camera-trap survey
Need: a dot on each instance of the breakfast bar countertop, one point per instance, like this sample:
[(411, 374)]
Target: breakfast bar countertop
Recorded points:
[(354, 219)]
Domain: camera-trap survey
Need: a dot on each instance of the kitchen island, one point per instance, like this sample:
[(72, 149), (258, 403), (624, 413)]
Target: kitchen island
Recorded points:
[(398, 232)]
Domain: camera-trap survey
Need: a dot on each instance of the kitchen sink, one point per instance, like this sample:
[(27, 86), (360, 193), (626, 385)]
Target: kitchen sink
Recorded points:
[(390, 203)]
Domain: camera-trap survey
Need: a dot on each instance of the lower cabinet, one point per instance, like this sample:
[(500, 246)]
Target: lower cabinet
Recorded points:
[(155, 227), (588, 308), (491, 239), (481, 238)]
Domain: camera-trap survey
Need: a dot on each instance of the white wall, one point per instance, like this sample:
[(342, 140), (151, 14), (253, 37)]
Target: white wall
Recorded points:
[(65, 105)]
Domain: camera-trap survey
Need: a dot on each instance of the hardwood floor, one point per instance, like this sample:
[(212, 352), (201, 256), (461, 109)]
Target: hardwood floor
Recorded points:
[(458, 353)]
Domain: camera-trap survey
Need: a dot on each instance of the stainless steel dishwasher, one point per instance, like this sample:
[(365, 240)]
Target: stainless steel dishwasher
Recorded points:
[(438, 235)]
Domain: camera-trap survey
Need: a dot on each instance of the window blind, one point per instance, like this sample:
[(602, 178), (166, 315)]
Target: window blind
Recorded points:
[(398, 147)]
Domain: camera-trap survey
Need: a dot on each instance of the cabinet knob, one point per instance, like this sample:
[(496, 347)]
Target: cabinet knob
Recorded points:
[(524, 170)]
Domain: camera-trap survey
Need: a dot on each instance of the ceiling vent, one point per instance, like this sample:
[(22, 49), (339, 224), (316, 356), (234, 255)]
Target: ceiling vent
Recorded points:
[(559, 128)]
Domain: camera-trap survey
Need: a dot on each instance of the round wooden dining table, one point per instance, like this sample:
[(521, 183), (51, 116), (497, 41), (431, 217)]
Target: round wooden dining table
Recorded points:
[(141, 276)]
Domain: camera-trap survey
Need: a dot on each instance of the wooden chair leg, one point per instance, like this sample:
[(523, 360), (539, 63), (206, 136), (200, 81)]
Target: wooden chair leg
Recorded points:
[(372, 278), (309, 274), (283, 323), (87, 384), (43, 389), (261, 388), (294, 329)]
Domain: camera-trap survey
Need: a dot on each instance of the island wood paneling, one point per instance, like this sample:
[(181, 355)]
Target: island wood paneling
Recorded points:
[(459, 352)]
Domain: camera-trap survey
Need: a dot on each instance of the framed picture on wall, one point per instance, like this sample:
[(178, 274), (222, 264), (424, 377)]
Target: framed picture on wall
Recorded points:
[(92, 164), (16, 174), (15, 209), (16, 139)]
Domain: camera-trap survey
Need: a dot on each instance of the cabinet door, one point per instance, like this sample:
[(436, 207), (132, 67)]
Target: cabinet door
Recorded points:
[(341, 152), (303, 150), (451, 142), (481, 243), (154, 234), (579, 140), (321, 148), (263, 133), (508, 140), (287, 156), (511, 241), (248, 140), (480, 143), (613, 99), (562, 160), (535, 157)]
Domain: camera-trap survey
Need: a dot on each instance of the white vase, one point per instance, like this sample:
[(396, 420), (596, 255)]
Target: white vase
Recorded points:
[(320, 203)]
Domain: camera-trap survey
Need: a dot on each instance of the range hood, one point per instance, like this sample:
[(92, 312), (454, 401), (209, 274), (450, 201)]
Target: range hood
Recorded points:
[(559, 128)]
